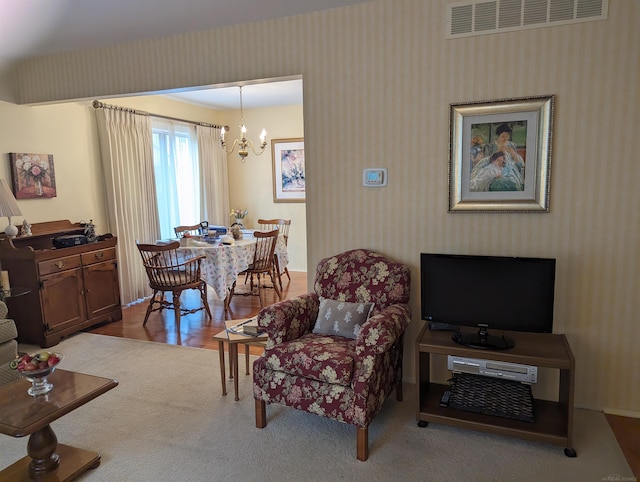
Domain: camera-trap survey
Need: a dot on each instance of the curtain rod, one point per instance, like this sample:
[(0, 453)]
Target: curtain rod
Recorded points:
[(101, 105)]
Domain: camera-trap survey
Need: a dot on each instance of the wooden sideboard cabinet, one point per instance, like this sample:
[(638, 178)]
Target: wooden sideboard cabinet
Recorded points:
[(68, 288)]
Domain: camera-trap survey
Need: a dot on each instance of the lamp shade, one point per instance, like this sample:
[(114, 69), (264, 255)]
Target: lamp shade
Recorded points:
[(8, 207), (8, 203)]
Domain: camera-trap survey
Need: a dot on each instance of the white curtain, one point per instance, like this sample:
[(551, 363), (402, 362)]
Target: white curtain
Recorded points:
[(214, 202), (177, 171), (127, 160)]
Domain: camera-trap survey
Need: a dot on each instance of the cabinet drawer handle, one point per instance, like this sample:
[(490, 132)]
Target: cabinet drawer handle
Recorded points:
[(59, 264), (99, 255)]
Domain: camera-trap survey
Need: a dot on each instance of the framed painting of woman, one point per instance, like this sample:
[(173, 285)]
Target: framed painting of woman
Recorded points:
[(500, 155)]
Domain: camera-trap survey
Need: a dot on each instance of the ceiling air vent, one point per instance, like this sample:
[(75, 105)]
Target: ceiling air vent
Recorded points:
[(481, 17)]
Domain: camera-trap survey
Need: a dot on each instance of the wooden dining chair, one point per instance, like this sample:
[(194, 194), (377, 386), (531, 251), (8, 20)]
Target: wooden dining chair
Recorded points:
[(282, 225), (194, 230), (263, 264), (167, 270)]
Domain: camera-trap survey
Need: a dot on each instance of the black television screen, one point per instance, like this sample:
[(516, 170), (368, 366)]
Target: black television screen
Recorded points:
[(503, 293)]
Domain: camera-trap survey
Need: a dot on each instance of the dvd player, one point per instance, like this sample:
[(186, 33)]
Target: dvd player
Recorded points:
[(492, 368)]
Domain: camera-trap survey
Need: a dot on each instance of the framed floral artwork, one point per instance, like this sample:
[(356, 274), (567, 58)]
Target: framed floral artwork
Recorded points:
[(32, 175), (288, 170), (500, 155)]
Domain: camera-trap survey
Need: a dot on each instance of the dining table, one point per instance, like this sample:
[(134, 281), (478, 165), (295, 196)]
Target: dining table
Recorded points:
[(224, 262)]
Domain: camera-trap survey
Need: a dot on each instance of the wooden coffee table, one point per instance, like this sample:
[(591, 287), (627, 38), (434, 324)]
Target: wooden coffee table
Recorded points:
[(21, 414), (234, 339)]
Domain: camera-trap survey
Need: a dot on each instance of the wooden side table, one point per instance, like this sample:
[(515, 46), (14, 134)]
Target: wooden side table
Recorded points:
[(235, 339), (21, 414)]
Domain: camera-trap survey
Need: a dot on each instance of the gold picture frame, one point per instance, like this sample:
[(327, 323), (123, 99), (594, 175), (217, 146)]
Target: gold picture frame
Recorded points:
[(500, 155)]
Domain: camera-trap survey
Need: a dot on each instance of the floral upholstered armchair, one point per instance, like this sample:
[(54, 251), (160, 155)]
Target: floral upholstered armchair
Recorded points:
[(337, 352), (8, 346)]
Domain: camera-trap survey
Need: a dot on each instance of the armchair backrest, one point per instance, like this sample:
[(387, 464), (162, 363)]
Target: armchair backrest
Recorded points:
[(166, 268), (195, 230), (362, 275), (265, 247), (281, 225)]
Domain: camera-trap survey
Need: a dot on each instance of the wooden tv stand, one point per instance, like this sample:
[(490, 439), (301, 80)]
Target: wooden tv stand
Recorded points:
[(554, 420)]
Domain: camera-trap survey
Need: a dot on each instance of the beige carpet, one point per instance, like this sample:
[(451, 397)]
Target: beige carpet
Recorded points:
[(167, 421)]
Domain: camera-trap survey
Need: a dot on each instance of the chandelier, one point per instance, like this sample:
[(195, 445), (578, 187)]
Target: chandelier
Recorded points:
[(243, 144)]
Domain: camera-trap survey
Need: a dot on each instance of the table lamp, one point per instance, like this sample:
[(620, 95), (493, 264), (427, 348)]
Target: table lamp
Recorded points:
[(8, 207)]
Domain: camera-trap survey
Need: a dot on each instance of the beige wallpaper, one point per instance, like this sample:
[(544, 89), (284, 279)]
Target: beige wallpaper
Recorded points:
[(68, 132), (378, 81)]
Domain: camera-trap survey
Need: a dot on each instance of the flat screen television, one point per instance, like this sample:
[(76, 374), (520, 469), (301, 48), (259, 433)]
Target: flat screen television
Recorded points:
[(488, 292)]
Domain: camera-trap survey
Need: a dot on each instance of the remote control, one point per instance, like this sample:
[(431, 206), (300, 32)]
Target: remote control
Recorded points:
[(444, 401)]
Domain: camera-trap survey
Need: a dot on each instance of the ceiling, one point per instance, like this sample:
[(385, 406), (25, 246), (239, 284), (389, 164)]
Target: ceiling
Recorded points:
[(31, 28), (254, 95)]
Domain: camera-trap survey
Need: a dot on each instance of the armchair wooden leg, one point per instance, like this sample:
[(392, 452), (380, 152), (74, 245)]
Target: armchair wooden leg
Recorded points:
[(259, 289), (399, 391), (149, 308), (276, 263), (227, 300), (363, 443), (203, 297), (261, 413), (274, 277), (176, 306)]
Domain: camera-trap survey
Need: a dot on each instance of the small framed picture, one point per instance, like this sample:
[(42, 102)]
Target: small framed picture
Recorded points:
[(288, 170), (32, 175), (500, 155)]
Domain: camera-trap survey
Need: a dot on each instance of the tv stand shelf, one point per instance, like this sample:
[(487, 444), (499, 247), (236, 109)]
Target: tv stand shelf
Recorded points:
[(554, 420)]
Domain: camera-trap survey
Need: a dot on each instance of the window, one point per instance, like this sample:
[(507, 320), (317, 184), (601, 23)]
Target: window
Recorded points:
[(175, 159)]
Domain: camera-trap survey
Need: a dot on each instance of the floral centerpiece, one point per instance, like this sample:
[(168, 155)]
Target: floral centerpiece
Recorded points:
[(239, 215)]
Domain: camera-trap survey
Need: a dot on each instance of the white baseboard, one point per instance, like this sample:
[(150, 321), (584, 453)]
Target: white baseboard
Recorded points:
[(622, 413)]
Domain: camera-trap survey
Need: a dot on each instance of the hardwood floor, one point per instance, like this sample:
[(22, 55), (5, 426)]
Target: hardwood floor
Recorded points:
[(627, 431), (197, 331)]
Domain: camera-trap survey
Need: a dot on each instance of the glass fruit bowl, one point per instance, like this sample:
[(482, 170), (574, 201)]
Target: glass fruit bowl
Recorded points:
[(36, 368)]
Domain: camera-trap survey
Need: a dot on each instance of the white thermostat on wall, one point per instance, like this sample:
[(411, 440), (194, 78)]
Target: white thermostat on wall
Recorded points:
[(375, 177)]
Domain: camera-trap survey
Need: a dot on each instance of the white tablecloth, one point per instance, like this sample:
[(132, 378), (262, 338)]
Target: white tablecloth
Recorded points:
[(222, 263)]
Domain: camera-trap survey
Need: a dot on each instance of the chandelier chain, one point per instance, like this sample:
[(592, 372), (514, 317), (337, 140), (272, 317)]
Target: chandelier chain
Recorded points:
[(241, 109)]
